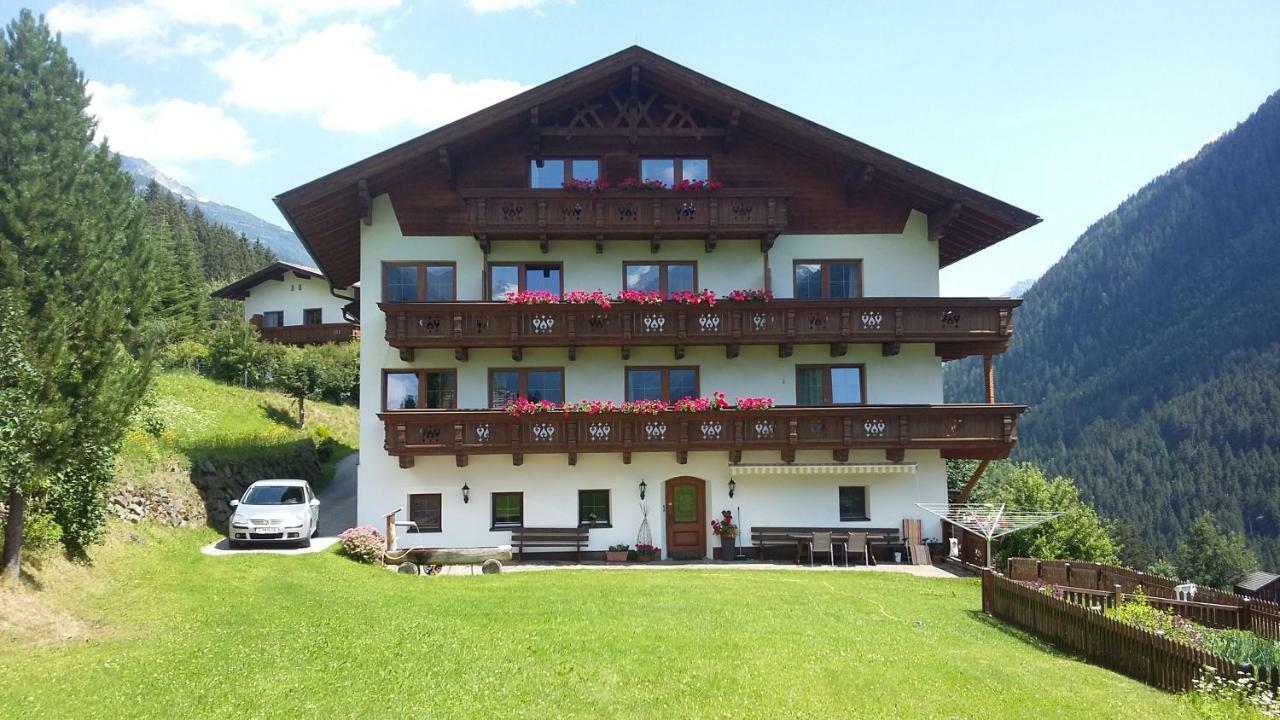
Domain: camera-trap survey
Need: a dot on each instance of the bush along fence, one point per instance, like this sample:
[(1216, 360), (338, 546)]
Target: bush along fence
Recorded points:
[(1076, 622), (1209, 607)]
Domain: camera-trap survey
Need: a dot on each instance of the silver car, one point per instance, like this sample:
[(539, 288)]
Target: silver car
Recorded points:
[(274, 512)]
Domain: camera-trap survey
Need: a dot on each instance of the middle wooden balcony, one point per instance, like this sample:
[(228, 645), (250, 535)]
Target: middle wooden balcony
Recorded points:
[(958, 327)]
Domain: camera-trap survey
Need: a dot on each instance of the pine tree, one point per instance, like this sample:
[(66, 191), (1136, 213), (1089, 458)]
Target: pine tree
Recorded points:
[(81, 274), (1212, 556)]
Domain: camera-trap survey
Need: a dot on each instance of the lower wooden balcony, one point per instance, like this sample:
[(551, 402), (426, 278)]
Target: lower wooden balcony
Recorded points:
[(958, 431), (959, 327), (309, 334)]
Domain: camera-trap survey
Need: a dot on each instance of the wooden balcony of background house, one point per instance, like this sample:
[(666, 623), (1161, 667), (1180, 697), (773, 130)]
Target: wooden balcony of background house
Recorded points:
[(653, 215), (958, 326), (959, 431), (306, 334)]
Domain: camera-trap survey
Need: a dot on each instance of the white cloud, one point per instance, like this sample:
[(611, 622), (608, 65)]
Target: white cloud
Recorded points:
[(122, 23), (168, 133), (489, 6), (336, 76)]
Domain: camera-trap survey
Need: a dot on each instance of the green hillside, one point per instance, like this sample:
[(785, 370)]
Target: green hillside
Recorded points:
[(1150, 352)]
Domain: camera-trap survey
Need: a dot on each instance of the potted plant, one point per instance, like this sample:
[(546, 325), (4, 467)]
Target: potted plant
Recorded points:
[(647, 553), (728, 533), (617, 553)]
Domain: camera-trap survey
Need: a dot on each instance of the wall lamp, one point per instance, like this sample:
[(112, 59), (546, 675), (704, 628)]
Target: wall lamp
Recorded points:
[(732, 487), (466, 494), (643, 487)]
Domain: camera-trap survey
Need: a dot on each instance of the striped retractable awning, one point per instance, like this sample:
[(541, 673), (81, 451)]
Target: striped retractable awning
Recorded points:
[(823, 469)]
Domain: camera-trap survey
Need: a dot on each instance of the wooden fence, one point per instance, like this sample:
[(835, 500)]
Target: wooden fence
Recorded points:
[(1212, 608), (1126, 649)]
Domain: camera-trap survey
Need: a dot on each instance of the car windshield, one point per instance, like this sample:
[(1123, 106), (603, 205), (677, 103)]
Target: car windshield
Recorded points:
[(275, 495)]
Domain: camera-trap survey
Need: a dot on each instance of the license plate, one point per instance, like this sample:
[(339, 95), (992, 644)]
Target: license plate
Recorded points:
[(268, 531)]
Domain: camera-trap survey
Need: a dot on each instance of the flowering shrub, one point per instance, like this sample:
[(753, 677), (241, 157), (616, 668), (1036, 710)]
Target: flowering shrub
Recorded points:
[(751, 295), (753, 403), (582, 297), (532, 297), (523, 406), (632, 184), (620, 547), (692, 185), (644, 407), (585, 186), (724, 527), (692, 298), (717, 401), (1213, 696), (1145, 615), (689, 404), (363, 544), (644, 550), (643, 297)]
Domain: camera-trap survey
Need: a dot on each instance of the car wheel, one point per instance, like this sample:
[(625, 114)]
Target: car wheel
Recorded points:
[(305, 543)]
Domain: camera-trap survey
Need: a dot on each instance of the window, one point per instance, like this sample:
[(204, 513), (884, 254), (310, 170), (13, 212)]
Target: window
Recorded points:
[(508, 510), (534, 385), (667, 383), (419, 282), (830, 385), (663, 277), (424, 510), (853, 504), (311, 316), (555, 172), (524, 277), (673, 170), (828, 278), (413, 389), (273, 318), (593, 504)]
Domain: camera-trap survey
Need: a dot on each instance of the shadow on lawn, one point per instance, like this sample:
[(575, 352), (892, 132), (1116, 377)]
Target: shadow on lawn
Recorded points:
[(1017, 634), (281, 416)]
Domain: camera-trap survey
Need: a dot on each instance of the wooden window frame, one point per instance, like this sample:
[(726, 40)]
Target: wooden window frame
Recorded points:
[(493, 511), (522, 267), (606, 522), (826, 382), (319, 316), (678, 162), (265, 313), (422, 386), (663, 267), (524, 381), (568, 168), (866, 503), (422, 266), (826, 275), (665, 371), (439, 512)]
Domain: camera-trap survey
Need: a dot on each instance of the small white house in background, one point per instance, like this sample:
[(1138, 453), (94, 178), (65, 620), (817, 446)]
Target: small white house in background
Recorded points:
[(637, 175), (292, 304)]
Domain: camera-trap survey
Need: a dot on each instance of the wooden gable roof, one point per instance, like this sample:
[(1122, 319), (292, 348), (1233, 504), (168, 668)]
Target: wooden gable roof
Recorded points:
[(325, 213), (239, 289)]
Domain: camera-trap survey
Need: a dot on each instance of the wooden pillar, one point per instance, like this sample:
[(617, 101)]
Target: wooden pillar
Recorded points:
[(989, 374), (768, 284), (973, 481), (391, 529)]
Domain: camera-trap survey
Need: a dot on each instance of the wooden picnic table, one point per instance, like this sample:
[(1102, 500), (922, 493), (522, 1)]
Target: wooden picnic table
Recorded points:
[(803, 539)]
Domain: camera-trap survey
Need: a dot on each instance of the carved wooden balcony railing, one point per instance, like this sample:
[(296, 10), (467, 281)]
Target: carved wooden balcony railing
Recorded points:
[(547, 215), (958, 431), (310, 334), (958, 326)]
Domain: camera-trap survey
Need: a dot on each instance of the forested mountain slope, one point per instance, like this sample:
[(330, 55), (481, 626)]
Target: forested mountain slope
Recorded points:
[(1150, 353)]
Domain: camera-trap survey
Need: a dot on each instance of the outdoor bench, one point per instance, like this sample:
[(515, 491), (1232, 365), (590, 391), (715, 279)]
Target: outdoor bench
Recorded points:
[(570, 537)]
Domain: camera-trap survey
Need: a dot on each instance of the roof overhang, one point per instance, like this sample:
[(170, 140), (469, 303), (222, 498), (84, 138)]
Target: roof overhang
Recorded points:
[(239, 289)]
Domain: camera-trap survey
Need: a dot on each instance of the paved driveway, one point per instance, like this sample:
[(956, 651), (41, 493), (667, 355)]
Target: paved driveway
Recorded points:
[(338, 501)]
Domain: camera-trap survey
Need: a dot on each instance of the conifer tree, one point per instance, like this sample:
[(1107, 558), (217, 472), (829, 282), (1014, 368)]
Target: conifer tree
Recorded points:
[(80, 274)]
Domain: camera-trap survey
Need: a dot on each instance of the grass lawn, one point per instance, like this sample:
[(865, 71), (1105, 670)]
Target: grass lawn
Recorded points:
[(171, 633)]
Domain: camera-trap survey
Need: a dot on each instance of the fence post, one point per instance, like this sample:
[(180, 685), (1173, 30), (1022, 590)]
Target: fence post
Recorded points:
[(1117, 596), (1244, 620)]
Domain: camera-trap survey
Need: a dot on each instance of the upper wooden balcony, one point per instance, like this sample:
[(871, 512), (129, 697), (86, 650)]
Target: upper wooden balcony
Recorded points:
[(309, 334), (958, 431), (545, 215), (958, 326)]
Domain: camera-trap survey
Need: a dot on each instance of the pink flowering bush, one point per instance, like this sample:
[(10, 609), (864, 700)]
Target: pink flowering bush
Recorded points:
[(694, 185), (642, 297), (582, 297), (522, 406), (363, 544), (753, 403), (532, 297), (751, 295), (585, 186), (694, 298)]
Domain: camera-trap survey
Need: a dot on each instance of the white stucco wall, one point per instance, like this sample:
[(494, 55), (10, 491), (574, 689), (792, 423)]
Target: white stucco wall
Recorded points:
[(292, 295), (893, 265)]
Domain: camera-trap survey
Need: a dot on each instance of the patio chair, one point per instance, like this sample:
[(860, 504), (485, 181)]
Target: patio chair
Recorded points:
[(821, 543), (857, 543)]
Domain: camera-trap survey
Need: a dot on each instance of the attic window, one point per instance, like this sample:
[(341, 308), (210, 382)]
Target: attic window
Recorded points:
[(555, 172), (672, 170)]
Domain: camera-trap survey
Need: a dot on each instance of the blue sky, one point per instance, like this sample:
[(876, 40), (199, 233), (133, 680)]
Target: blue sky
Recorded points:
[(1063, 109)]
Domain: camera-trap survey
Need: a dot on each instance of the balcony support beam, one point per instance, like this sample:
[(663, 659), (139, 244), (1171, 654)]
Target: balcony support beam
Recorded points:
[(406, 461), (785, 350), (517, 459), (678, 352), (544, 244), (599, 244), (766, 241), (682, 457), (709, 243), (573, 353), (731, 350), (890, 349), (460, 354), (788, 455), (407, 354), (517, 353), (626, 352), (460, 460), (655, 243), (895, 454), (839, 349), (989, 375), (840, 455)]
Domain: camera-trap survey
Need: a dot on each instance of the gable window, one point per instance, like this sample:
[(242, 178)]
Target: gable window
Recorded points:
[(533, 384), (663, 277), (853, 503), (593, 507), (273, 318), (419, 282), (828, 278), (508, 510), (524, 277), (661, 383), (414, 389), (424, 511), (830, 385), (311, 316), (672, 170), (555, 172)]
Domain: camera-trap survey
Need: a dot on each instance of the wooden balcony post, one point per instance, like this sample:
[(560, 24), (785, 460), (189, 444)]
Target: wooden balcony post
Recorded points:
[(989, 374)]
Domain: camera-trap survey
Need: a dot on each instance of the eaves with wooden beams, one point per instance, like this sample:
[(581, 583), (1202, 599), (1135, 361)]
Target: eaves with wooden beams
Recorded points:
[(326, 213)]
